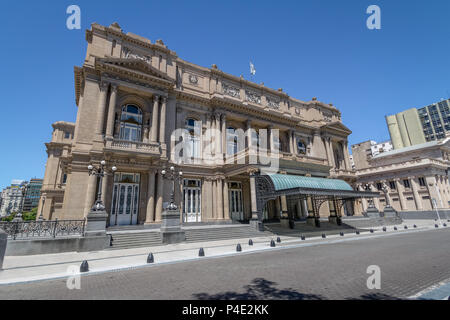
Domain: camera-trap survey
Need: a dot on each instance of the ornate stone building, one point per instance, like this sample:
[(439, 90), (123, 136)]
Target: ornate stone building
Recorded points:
[(132, 94), (410, 178)]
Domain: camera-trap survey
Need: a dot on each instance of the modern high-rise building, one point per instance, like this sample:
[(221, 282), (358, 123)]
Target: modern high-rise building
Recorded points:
[(32, 194), (417, 126)]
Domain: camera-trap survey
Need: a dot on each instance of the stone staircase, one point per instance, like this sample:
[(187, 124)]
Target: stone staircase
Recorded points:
[(222, 233), (127, 240), (301, 228), (364, 222)]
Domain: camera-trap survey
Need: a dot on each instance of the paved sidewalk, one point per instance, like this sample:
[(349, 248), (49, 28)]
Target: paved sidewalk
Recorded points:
[(19, 269)]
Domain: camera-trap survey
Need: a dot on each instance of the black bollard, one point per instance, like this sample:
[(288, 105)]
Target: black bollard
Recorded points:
[(324, 235), (384, 229), (84, 266), (238, 248), (278, 239), (302, 237), (272, 243), (201, 252), (250, 242), (414, 226), (357, 231), (395, 228), (371, 231), (444, 224), (436, 226), (406, 227), (342, 234), (150, 258)]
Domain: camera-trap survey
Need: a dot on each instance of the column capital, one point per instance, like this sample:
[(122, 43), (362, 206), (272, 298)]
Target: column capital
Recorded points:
[(163, 99), (155, 98), (103, 85), (114, 87)]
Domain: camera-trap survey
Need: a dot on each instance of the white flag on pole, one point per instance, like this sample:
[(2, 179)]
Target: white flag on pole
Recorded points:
[(252, 69)]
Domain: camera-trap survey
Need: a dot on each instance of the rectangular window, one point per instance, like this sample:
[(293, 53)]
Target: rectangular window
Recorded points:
[(379, 186), (66, 135), (392, 185), (422, 182), (406, 183), (64, 178)]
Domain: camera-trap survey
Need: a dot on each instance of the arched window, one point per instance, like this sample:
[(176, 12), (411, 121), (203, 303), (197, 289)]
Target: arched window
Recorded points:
[(130, 123), (301, 147), (193, 144), (232, 141)]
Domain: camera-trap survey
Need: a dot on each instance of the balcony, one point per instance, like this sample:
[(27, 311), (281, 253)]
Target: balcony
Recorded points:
[(145, 148)]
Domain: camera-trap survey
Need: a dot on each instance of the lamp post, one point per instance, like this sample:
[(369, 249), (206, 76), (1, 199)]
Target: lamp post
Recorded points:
[(99, 172), (173, 175)]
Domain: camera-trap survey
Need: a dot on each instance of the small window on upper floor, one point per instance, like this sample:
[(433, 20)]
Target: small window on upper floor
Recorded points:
[(392, 185), (379, 186), (64, 179), (422, 182), (406, 183), (66, 135)]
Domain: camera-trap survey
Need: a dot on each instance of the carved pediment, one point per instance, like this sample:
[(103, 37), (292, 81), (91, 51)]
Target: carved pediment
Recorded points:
[(134, 64), (338, 126)]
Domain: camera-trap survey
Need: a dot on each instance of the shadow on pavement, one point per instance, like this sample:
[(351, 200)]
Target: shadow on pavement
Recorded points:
[(374, 296), (259, 289)]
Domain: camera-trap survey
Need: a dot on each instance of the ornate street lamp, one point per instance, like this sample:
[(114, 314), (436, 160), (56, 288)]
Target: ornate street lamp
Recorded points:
[(99, 172), (173, 175)]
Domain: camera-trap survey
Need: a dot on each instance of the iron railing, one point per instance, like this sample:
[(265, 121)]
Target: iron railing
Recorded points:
[(43, 229)]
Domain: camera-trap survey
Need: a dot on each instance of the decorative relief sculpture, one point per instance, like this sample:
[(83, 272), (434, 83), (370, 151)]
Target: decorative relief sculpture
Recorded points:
[(193, 79), (327, 117), (231, 91), (252, 97), (272, 103), (131, 55)]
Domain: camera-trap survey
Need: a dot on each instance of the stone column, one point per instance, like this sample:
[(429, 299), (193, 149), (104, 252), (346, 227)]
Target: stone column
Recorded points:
[(90, 194), (218, 137), (224, 134), (442, 191), (219, 199), (226, 201), (214, 199), (159, 197), (214, 134), (348, 166), (284, 208), (150, 214), (253, 198), (401, 197), (111, 112), (376, 200), (299, 208), (162, 123), (329, 150), (291, 142), (155, 117), (103, 86), (277, 208), (417, 198), (305, 208)]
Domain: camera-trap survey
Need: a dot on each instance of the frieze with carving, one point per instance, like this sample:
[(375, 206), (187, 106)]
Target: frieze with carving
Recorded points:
[(231, 91), (273, 103), (132, 55), (252, 97)]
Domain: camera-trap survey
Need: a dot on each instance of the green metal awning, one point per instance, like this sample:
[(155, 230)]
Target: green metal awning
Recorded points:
[(285, 182)]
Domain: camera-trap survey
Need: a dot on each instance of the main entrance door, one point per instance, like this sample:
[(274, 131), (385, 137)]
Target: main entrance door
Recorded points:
[(192, 200), (235, 199), (125, 201)]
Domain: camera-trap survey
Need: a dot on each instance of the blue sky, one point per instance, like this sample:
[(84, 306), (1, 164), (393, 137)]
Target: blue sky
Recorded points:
[(308, 48)]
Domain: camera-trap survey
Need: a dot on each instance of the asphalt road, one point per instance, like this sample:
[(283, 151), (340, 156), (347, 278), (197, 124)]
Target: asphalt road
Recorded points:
[(409, 263)]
